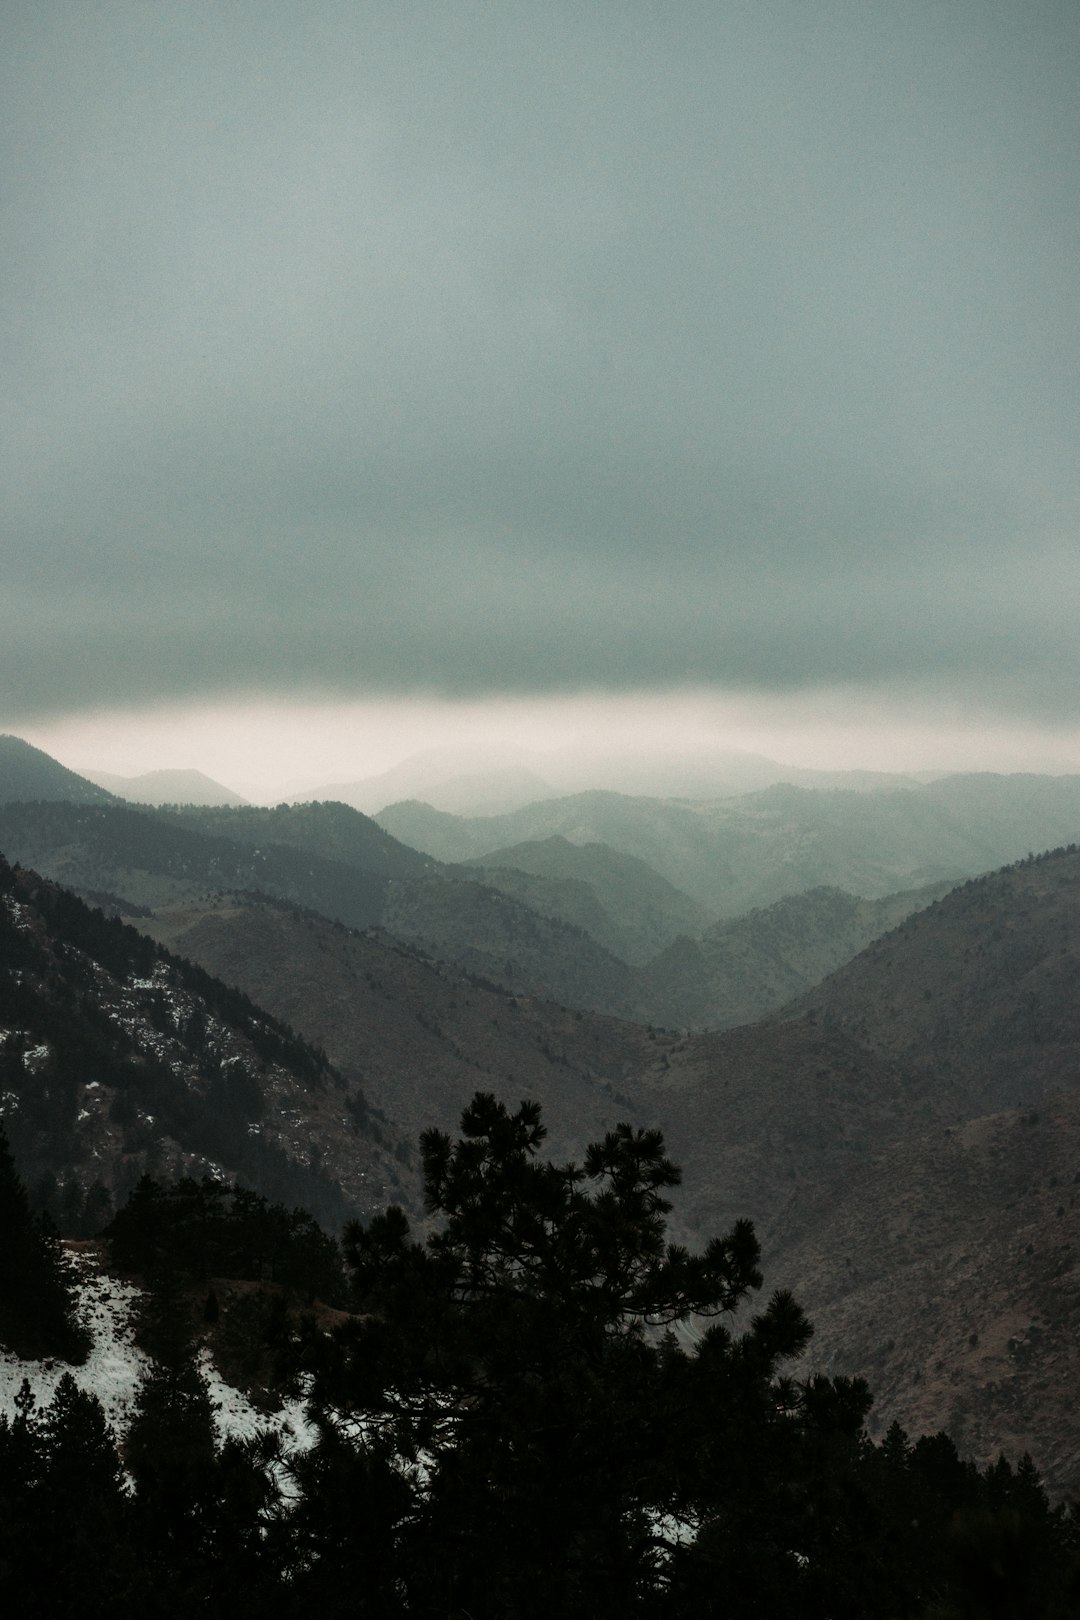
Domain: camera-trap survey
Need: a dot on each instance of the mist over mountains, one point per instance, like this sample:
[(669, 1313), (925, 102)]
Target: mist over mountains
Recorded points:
[(880, 1072), (539, 663), (492, 781), (165, 787)]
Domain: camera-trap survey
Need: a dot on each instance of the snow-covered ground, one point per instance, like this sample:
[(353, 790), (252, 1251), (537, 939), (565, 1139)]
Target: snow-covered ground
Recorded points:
[(116, 1366)]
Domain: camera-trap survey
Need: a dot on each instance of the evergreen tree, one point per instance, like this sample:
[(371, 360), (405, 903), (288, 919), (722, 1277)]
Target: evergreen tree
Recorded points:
[(523, 1369), (20, 1481), (37, 1303), (170, 1451), (65, 1546), (83, 1514)]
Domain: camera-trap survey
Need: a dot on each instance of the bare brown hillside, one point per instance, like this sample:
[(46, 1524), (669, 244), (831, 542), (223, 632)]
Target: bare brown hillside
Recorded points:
[(945, 1269), (420, 1036), (982, 989)]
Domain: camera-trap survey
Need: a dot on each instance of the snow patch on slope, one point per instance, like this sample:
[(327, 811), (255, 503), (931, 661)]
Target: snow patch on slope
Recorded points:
[(116, 1367)]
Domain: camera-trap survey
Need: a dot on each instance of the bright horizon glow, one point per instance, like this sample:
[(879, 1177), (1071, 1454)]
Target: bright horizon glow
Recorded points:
[(268, 749)]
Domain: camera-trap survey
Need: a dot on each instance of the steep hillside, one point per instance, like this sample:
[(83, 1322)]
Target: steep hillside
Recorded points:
[(941, 1263), (487, 932), (978, 990), (945, 1269), (419, 1035), (744, 1111), (751, 1112), (639, 911), (152, 858), (117, 1057), (747, 967), (27, 774)]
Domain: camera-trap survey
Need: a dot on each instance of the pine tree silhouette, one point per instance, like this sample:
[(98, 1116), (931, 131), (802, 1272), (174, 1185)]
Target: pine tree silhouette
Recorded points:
[(37, 1304)]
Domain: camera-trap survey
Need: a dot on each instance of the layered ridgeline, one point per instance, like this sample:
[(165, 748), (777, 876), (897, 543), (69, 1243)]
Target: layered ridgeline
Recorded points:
[(559, 916), (326, 858), (882, 1135), (419, 1035), (566, 917), (117, 1058), (551, 927), (165, 787), (620, 900), (894, 1191), (887, 1183), (737, 854)]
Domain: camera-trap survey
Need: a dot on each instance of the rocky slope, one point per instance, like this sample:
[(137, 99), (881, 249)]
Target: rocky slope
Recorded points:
[(116, 1058), (419, 1035), (945, 1269)]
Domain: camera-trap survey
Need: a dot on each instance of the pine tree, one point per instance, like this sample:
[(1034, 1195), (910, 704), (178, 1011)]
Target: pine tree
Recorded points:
[(522, 1368), (37, 1303)]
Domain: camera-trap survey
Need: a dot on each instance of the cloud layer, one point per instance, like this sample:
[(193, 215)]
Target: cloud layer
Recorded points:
[(471, 349)]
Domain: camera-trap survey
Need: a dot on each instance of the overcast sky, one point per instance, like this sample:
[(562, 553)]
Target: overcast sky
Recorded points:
[(382, 353)]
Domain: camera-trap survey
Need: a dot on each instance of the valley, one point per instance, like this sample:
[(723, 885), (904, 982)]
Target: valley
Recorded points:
[(884, 1082)]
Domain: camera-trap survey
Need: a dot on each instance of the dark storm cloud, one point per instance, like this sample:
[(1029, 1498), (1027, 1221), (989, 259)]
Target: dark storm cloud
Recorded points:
[(474, 348)]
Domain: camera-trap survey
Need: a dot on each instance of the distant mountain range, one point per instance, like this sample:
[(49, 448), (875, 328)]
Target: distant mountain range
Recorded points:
[(737, 854), (468, 783), (590, 922), (905, 1132), (165, 787), (627, 906), (491, 781)]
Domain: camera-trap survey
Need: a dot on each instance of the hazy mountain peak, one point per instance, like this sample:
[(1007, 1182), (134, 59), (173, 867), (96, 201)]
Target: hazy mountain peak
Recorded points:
[(472, 781), (166, 787)]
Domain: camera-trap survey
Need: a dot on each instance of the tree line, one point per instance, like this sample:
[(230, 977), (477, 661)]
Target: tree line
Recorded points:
[(540, 1407)]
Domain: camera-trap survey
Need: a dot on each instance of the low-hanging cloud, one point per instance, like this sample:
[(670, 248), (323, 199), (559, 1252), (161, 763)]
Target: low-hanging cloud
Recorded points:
[(506, 350)]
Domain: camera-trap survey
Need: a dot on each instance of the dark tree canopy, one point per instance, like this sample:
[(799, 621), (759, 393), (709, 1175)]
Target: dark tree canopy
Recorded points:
[(37, 1307), (570, 1379), (544, 1408)]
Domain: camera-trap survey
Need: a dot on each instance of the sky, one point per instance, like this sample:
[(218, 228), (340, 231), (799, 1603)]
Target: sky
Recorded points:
[(375, 372)]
